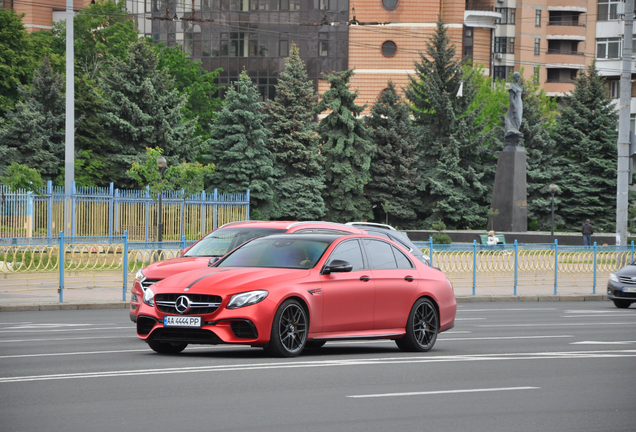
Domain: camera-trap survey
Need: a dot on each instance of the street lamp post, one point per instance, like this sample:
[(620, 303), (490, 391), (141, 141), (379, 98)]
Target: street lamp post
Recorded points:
[(161, 164), (553, 189)]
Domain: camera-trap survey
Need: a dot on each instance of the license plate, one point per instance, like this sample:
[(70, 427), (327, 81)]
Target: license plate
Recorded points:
[(629, 289), (181, 321)]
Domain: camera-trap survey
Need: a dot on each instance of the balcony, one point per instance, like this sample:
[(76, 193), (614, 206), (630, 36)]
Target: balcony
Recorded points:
[(480, 7), (569, 31), (566, 23), (565, 57), (481, 15)]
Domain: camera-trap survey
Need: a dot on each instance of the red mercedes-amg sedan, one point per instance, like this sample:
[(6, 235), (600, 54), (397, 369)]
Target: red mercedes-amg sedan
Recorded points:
[(288, 292)]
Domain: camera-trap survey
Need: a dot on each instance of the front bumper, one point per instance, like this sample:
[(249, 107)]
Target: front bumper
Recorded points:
[(616, 291)]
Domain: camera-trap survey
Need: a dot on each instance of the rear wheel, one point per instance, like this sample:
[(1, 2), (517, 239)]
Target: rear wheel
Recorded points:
[(421, 328), (167, 348), (289, 330), (622, 304)]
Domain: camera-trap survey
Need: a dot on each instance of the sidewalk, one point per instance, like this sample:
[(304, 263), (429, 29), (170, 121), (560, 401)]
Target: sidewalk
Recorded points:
[(111, 298)]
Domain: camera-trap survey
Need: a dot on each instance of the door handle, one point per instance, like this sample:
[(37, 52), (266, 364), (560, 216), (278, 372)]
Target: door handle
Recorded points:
[(409, 278), (365, 278)]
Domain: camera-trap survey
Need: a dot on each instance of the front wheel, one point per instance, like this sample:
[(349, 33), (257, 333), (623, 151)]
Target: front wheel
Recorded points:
[(421, 328), (622, 304), (289, 330), (167, 348)]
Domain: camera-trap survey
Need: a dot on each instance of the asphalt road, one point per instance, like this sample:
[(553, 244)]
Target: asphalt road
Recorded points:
[(515, 366)]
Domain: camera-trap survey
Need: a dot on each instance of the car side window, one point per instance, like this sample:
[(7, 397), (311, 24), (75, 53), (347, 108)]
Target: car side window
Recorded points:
[(380, 255), (402, 261), (401, 242), (348, 251)]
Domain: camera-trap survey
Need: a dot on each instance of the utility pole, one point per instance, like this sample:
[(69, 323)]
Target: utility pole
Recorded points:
[(69, 148)]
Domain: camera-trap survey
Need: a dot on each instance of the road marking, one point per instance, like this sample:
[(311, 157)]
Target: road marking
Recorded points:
[(603, 343), (295, 364), (469, 319), (598, 316), (66, 330), (502, 338), (442, 392), (552, 325), (499, 310), (65, 339), (591, 311)]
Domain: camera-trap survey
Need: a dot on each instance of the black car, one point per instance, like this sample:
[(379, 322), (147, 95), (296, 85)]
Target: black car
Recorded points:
[(387, 231), (621, 287)]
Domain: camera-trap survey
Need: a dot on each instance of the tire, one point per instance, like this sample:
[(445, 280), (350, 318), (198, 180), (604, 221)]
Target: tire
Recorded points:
[(422, 327), (289, 330), (315, 344), (167, 348), (622, 304)]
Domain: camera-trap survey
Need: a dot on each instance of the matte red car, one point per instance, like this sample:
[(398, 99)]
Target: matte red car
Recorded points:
[(216, 244), (287, 292)]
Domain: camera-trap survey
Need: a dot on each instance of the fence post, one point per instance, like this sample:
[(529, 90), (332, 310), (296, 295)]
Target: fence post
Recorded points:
[(215, 222), (125, 258), (117, 222), (182, 221), (474, 265), (248, 216), (183, 242), (203, 212), (29, 214), (110, 212), (556, 264), (430, 248), (60, 289), (632, 250), (594, 283), (49, 222), (516, 262), (147, 211), (74, 214)]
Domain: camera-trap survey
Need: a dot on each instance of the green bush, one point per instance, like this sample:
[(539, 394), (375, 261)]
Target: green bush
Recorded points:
[(441, 239)]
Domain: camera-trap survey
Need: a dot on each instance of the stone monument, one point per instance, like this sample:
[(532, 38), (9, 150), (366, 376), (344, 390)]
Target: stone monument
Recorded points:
[(509, 194)]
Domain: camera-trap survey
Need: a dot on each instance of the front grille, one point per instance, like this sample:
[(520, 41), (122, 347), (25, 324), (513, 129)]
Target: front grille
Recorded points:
[(147, 282), (626, 280), (195, 336), (200, 304), (244, 330), (145, 324)]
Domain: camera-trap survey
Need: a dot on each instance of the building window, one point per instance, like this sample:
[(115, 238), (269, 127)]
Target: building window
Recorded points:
[(502, 72), (615, 89), (323, 48), (504, 45), (389, 4), (537, 18), (609, 10), (608, 48), (389, 48), (467, 48), (537, 46), (507, 15)]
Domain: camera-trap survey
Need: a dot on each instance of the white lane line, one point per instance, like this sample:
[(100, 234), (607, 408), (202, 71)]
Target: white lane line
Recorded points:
[(65, 339), (66, 330), (553, 324), (591, 311), (598, 316), (469, 319), (45, 326), (442, 392), (15, 323), (603, 343), (503, 338), (295, 364), (499, 310)]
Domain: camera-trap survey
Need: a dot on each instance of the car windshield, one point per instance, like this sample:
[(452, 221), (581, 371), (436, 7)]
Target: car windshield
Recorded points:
[(277, 253), (223, 240)]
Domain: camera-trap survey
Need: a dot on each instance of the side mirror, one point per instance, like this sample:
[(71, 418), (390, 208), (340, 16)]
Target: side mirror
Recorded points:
[(337, 266), (213, 261)]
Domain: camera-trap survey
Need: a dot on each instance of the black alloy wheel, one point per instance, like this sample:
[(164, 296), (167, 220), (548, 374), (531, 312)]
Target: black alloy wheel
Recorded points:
[(289, 330), (166, 347), (421, 328), (622, 304)]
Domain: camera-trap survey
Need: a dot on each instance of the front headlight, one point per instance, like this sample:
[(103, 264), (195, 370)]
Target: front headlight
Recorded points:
[(140, 276), (613, 277), (246, 299), (149, 297), (450, 283)]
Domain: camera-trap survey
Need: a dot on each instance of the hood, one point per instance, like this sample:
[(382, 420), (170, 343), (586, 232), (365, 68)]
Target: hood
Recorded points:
[(628, 271), (222, 280), (172, 266)]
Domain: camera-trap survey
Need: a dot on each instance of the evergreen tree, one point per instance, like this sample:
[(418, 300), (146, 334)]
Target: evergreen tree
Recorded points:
[(394, 175), (458, 166), (295, 144), (586, 136), (33, 135), (347, 151), (143, 109), (240, 150)]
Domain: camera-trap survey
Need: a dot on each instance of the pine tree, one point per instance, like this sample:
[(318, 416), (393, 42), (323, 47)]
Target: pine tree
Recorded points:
[(458, 164), (540, 147), (143, 109), (586, 136), (394, 175), (33, 135), (240, 149), (347, 151), (294, 142)]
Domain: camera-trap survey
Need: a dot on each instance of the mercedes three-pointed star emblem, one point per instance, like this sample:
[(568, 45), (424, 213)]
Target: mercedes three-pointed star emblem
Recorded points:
[(182, 305)]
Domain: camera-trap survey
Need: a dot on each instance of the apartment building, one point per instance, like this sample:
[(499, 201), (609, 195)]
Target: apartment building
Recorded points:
[(40, 14)]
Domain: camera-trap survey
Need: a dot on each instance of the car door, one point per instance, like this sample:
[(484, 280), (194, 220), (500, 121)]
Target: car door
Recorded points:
[(396, 280), (348, 297)]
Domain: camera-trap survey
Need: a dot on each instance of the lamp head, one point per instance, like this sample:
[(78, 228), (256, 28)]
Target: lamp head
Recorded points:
[(161, 162), (553, 188)]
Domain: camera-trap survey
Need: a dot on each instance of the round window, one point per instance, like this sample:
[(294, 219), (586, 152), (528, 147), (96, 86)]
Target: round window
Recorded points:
[(389, 4), (389, 48)]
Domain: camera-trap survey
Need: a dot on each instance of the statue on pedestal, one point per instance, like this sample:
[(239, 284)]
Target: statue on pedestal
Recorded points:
[(514, 115)]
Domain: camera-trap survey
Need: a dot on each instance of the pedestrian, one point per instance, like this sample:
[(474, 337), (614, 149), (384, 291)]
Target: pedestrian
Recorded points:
[(587, 231), (492, 239)]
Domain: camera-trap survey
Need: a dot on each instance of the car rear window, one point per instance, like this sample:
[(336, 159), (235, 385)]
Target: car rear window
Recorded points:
[(223, 240)]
